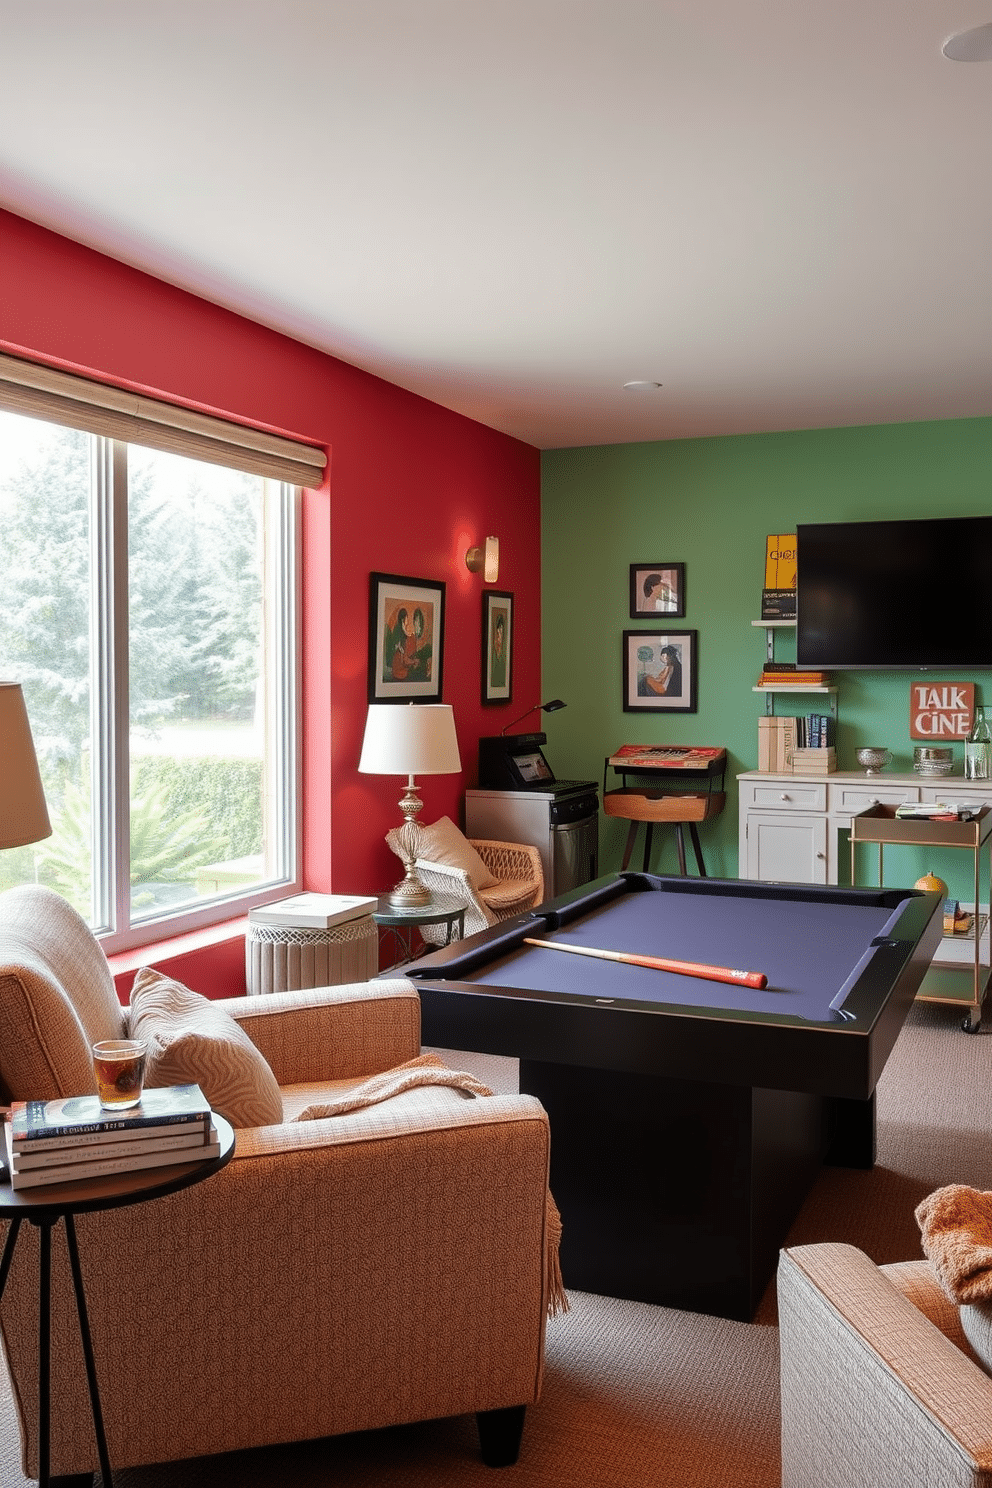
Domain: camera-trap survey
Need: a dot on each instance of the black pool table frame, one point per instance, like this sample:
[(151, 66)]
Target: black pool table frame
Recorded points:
[(684, 1138)]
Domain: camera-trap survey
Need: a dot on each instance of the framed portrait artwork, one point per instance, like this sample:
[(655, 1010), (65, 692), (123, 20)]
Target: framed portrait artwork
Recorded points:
[(406, 638), (657, 589), (497, 646), (659, 671)]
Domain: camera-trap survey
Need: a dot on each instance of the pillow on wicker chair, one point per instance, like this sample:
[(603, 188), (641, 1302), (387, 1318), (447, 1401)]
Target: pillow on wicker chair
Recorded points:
[(442, 842), (191, 1041)]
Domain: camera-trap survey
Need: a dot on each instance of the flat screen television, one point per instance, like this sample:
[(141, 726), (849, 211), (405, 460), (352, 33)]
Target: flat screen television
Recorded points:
[(908, 594)]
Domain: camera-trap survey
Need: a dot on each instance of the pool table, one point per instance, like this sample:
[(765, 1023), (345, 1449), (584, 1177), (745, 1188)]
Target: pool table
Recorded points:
[(688, 1116)]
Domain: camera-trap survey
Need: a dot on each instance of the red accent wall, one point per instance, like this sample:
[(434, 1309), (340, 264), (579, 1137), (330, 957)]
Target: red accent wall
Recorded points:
[(410, 486)]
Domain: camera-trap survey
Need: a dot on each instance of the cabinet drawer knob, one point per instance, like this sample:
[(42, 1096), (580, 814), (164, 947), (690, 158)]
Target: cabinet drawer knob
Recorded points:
[(783, 796), (821, 855)]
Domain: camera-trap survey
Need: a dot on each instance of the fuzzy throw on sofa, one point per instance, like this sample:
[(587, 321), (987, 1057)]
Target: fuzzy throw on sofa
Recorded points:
[(956, 1232)]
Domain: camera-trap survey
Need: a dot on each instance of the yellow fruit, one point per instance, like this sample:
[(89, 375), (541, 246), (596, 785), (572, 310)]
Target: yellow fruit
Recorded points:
[(933, 883)]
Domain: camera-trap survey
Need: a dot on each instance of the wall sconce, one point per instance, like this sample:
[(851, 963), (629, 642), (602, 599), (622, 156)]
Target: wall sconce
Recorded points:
[(485, 559)]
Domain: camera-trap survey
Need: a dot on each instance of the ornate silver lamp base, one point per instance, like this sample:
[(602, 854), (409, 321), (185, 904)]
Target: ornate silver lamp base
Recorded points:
[(411, 892)]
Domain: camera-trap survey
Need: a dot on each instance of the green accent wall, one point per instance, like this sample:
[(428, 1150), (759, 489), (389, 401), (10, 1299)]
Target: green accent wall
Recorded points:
[(710, 503)]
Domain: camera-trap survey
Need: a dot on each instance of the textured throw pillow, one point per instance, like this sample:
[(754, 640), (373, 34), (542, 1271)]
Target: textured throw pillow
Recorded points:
[(444, 843), (192, 1041)]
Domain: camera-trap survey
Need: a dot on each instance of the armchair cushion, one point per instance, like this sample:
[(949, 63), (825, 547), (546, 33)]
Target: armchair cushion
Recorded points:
[(193, 1041)]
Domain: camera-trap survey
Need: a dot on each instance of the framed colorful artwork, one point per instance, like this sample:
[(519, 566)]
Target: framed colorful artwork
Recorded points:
[(659, 671), (657, 589), (497, 646), (406, 638)]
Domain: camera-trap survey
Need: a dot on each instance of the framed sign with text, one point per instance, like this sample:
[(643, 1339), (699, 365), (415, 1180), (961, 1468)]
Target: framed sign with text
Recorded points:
[(939, 711)]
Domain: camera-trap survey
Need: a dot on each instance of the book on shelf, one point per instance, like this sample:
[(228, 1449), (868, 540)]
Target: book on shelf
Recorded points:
[(780, 560), (138, 1157), (83, 1115), (778, 604), (792, 678)]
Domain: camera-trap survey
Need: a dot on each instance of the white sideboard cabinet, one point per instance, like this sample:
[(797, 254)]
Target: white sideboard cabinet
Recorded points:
[(790, 825)]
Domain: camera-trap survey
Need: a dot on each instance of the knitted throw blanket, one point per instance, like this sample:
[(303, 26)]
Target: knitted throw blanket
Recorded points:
[(428, 1069), (956, 1228)]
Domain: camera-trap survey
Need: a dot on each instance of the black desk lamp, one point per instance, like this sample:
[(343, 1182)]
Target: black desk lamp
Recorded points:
[(551, 707)]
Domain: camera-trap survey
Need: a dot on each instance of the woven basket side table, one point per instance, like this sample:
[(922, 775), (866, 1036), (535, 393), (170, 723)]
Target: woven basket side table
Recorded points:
[(282, 958)]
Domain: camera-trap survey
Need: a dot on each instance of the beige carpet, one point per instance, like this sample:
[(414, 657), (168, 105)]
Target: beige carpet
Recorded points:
[(645, 1397)]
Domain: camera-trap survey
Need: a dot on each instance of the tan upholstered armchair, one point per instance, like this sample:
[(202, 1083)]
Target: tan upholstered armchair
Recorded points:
[(879, 1382), (345, 1273)]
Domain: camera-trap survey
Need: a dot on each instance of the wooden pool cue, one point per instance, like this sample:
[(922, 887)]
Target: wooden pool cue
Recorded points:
[(755, 979)]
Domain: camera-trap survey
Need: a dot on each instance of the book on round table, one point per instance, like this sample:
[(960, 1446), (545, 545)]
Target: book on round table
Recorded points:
[(191, 1135), (138, 1157), (82, 1116)]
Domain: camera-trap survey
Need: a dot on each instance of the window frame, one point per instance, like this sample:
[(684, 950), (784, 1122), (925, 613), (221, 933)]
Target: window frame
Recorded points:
[(110, 707)]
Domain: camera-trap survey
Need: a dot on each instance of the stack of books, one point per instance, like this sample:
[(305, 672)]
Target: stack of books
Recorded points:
[(800, 746), (59, 1141), (782, 674)]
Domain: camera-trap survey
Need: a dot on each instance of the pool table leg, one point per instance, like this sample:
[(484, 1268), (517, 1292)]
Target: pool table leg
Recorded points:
[(674, 1192), (851, 1136)]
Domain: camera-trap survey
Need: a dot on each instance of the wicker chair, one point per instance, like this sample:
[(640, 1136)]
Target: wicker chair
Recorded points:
[(520, 884)]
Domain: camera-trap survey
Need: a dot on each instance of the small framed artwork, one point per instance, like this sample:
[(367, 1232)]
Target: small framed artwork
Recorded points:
[(497, 646), (406, 638), (659, 671), (657, 589)]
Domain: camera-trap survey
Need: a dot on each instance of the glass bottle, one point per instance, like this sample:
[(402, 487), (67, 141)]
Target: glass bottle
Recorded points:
[(978, 749)]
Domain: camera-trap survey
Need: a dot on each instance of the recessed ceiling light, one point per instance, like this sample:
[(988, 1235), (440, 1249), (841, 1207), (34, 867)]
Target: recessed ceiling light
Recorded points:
[(641, 387), (970, 46)]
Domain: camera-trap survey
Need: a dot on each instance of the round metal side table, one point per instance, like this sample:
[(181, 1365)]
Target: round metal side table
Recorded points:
[(399, 924)]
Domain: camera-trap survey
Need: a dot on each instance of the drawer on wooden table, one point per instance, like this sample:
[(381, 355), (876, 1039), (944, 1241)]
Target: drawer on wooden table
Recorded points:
[(785, 795)]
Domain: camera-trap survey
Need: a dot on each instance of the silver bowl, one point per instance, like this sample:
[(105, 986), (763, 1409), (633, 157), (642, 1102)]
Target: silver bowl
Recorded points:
[(873, 759)]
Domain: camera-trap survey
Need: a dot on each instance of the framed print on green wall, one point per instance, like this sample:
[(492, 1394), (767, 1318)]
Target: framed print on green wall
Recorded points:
[(659, 671), (657, 589)]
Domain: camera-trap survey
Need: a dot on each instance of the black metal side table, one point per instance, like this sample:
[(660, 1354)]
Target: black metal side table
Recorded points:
[(400, 924), (44, 1207)]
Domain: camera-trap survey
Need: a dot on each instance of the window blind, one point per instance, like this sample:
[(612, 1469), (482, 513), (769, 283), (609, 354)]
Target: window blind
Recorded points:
[(44, 392)]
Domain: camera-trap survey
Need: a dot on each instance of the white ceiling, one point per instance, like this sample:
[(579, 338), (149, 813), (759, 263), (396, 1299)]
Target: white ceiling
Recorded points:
[(778, 209)]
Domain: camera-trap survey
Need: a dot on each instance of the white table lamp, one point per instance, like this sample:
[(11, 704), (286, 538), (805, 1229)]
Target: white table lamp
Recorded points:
[(23, 812), (418, 739)]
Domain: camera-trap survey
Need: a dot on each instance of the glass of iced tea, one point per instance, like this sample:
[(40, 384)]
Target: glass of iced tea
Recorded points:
[(119, 1066)]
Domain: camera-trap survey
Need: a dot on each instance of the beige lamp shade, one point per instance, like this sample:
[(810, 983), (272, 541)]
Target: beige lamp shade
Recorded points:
[(418, 739), (23, 812)]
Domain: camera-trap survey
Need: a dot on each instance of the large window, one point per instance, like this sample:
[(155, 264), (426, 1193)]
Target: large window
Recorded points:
[(148, 608)]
